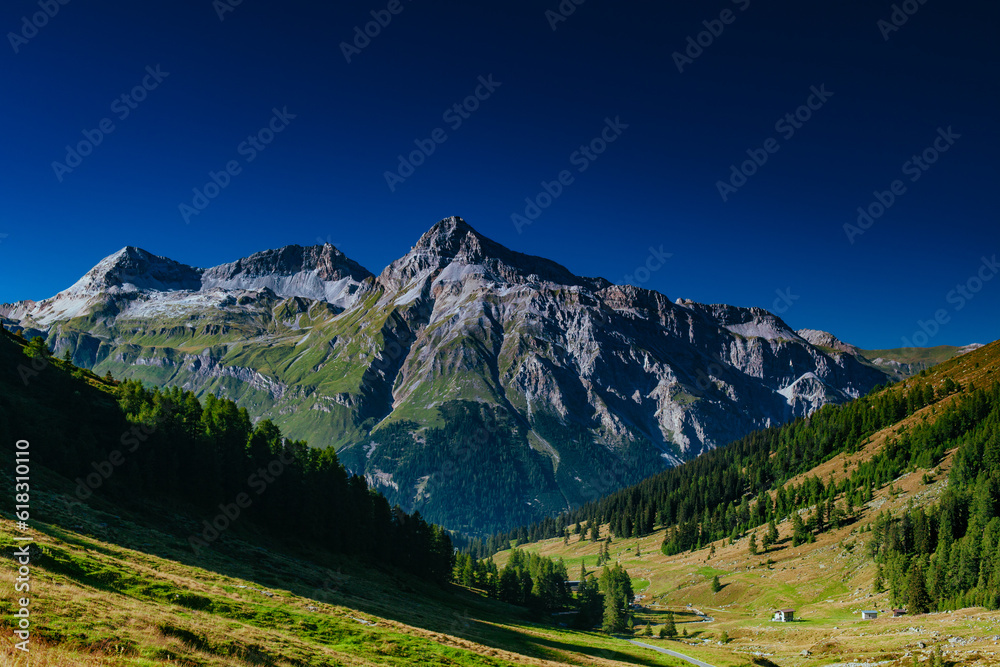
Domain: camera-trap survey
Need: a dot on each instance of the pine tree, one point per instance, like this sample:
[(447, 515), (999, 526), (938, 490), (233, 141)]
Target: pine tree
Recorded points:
[(37, 348), (670, 629), (753, 545), (771, 537), (917, 599), (799, 532), (716, 585), (616, 585), (614, 618)]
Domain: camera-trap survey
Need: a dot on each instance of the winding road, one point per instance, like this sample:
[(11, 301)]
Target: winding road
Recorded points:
[(672, 653)]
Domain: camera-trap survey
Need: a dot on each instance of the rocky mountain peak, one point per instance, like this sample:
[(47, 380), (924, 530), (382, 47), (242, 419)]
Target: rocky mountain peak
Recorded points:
[(752, 322), (133, 268), (325, 260), (827, 340), (453, 242), (453, 238), (319, 272)]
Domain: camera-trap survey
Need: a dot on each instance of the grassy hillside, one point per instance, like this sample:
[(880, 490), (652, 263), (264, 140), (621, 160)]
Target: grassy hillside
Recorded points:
[(828, 581), (903, 362), (116, 582), (110, 588)]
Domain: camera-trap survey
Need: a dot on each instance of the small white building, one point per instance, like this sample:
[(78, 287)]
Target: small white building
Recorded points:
[(869, 615), (784, 615)]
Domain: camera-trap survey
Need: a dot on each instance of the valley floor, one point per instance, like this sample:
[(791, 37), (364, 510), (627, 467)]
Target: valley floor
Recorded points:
[(828, 583)]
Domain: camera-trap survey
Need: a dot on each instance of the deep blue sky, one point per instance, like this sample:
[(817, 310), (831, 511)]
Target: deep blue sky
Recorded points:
[(322, 179)]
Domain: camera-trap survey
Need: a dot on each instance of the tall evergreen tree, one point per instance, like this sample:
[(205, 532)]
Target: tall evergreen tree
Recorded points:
[(917, 599), (671, 626)]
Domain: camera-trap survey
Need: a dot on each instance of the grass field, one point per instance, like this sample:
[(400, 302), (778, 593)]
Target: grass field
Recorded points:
[(111, 589), (828, 582)]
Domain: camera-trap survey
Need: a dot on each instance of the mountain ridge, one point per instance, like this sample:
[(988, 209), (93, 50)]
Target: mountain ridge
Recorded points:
[(575, 384)]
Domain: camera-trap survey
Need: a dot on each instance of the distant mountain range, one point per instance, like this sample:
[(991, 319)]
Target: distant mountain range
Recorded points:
[(481, 386)]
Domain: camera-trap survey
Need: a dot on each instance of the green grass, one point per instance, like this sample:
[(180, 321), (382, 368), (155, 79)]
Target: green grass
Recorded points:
[(117, 590)]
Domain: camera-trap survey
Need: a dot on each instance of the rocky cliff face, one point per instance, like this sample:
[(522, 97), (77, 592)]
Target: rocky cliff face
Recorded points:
[(463, 370), (322, 273)]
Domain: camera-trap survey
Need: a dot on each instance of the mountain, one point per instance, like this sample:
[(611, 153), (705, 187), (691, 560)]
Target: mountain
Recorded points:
[(322, 273), (906, 361), (481, 386), (161, 548)]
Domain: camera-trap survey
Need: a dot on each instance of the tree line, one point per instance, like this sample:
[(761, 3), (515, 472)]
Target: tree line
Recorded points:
[(542, 585), (947, 556), (133, 445), (712, 496), (944, 556)]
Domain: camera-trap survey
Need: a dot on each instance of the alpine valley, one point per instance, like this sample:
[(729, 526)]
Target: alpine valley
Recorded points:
[(477, 385)]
